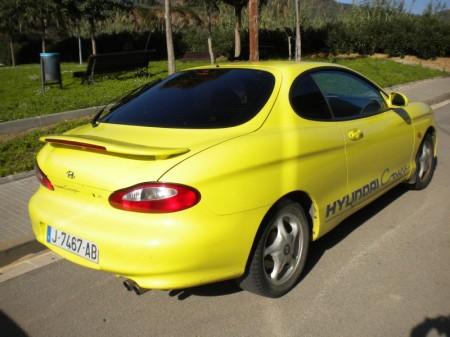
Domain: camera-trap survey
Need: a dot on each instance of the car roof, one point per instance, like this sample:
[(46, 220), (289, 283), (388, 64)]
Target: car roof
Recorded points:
[(289, 69), (283, 66)]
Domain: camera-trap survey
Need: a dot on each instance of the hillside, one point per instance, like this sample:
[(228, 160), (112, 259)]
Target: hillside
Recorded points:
[(444, 15)]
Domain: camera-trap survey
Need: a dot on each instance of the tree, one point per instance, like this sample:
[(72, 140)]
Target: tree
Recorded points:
[(169, 38), (211, 7), (253, 29), (298, 43), (72, 14), (10, 21), (238, 5), (96, 11), (39, 15)]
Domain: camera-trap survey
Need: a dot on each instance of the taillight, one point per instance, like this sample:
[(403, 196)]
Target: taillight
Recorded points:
[(155, 198), (43, 178)]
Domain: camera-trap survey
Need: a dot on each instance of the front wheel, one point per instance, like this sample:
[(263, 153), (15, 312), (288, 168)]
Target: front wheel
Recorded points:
[(280, 253), (425, 164)]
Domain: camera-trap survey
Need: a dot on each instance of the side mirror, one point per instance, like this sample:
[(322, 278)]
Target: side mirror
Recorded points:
[(398, 99)]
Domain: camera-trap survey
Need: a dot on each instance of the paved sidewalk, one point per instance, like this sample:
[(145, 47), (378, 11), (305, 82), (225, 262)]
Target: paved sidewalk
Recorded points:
[(16, 238), (25, 124), (15, 230), (431, 91)]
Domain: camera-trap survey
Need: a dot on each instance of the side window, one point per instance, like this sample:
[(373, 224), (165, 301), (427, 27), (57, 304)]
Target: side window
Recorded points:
[(307, 100), (348, 95)]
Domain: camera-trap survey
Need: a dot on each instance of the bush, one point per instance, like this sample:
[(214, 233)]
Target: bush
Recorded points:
[(195, 39), (396, 34)]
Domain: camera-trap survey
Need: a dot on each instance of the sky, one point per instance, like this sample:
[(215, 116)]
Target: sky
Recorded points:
[(417, 6)]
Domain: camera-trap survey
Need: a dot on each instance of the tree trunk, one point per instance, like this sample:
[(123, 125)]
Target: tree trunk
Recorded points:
[(93, 44), (253, 30), (43, 46), (169, 38), (290, 47), (298, 43), (11, 48), (212, 59), (92, 35), (210, 46), (237, 31), (44, 35), (147, 43), (80, 52)]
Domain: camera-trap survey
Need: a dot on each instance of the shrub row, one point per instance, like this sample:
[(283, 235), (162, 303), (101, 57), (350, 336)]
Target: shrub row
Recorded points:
[(424, 36)]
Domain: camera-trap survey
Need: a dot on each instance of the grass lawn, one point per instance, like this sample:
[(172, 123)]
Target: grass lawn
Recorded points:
[(17, 154), (20, 95), (387, 73)]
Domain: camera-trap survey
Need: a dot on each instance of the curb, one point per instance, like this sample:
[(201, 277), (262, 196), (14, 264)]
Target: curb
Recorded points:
[(411, 84), (439, 99), (25, 124), (16, 176), (16, 252)]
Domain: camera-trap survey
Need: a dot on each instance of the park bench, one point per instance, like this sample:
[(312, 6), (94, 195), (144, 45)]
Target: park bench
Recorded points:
[(195, 56), (114, 62)]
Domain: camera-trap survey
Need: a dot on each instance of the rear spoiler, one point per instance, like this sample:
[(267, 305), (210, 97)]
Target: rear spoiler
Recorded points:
[(112, 146)]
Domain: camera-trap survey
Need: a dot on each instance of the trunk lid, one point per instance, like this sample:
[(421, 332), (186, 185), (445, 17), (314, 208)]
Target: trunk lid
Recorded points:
[(111, 156)]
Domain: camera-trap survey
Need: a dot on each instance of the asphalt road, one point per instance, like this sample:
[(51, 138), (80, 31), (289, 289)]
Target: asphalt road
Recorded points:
[(383, 272)]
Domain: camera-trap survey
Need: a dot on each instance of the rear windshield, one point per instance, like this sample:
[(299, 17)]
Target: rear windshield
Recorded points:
[(205, 98)]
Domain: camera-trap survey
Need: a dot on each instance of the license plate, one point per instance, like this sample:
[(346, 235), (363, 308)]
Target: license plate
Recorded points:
[(73, 244)]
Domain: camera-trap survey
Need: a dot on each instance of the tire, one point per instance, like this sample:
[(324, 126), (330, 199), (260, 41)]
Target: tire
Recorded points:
[(283, 242), (425, 164)]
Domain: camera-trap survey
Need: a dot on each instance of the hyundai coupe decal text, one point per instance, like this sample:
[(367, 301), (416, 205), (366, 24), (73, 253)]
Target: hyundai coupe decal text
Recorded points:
[(350, 199), (387, 176)]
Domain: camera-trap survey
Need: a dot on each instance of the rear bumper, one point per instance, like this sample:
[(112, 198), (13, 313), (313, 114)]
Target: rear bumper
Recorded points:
[(158, 251)]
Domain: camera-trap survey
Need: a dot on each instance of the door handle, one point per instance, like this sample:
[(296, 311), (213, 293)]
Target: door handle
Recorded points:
[(355, 134)]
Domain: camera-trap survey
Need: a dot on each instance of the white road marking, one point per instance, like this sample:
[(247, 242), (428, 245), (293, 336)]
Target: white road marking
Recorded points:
[(440, 105), (22, 267)]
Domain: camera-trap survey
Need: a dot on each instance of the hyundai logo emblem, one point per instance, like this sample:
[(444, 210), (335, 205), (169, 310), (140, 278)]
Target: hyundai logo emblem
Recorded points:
[(70, 174)]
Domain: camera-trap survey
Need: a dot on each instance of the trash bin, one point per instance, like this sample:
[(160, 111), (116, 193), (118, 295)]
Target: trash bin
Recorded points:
[(50, 69)]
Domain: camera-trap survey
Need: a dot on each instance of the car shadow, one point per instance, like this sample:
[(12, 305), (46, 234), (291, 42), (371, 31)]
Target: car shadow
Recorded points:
[(441, 324), (214, 289), (317, 249), (346, 227), (10, 328)]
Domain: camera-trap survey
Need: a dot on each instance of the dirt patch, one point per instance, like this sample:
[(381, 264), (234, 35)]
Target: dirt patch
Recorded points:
[(439, 63)]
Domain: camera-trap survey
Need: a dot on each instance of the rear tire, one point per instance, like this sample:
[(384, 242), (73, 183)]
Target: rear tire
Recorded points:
[(280, 253), (425, 164)]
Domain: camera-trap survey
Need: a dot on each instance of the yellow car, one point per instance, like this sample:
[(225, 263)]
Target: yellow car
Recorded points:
[(226, 172)]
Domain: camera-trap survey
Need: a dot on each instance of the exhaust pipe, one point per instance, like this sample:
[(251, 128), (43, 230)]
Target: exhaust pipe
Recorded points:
[(130, 285)]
